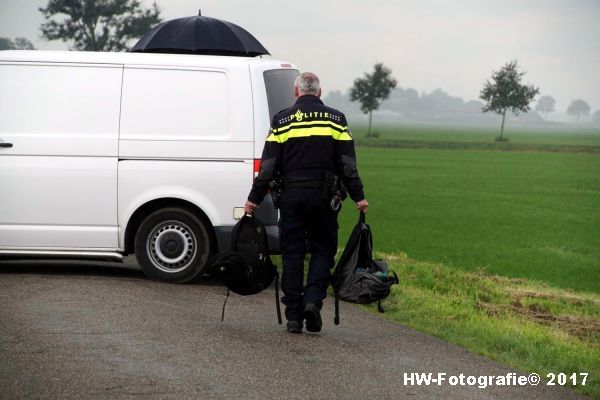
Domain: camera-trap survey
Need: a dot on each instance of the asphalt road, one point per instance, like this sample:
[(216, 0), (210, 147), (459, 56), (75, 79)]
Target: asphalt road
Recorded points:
[(91, 330)]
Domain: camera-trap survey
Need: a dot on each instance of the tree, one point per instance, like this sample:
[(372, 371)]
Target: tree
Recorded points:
[(506, 93), (596, 118), (372, 89), (19, 43), (544, 105), (578, 108), (97, 25)]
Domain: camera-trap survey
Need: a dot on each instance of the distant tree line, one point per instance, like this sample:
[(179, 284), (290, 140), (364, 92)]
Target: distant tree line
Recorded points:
[(409, 103), (412, 104), (503, 93), (577, 108)]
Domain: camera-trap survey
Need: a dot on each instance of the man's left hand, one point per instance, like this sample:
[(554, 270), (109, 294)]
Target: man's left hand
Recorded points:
[(362, 205)]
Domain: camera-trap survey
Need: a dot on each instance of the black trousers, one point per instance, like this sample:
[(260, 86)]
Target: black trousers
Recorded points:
[(306, 220)]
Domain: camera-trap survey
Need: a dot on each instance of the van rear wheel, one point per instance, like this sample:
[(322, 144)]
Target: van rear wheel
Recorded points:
[(172, 245)]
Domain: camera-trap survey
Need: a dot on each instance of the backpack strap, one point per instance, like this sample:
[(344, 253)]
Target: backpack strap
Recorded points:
[(224, 303), (277, 305), (336, 318), (380, 307)]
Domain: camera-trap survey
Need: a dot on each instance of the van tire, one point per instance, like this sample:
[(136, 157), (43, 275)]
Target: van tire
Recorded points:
[(172, 245)]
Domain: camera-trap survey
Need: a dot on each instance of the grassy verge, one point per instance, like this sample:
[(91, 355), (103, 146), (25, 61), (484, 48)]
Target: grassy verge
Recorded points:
[(525, 324)]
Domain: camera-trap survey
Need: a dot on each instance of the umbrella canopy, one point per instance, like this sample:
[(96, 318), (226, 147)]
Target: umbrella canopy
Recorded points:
[(200, 35)]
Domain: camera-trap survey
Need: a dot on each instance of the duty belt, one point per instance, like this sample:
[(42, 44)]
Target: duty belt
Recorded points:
[(316, 183)]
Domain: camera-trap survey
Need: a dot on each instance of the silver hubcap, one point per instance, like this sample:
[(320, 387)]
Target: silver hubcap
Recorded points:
[(171, 246)]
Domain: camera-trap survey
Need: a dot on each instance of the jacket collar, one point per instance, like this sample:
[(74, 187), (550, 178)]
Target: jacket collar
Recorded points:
[(308, 98)]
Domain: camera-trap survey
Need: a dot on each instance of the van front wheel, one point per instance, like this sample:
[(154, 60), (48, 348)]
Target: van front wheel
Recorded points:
[(172, 245)]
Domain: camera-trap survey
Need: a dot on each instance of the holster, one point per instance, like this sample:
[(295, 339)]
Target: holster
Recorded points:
[(335, 190), (275, 186)]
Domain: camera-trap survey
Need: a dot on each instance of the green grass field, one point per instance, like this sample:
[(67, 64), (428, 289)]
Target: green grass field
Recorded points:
[(532, 215)]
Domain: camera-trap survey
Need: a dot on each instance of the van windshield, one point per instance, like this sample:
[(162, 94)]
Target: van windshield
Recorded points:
[(280, 89)]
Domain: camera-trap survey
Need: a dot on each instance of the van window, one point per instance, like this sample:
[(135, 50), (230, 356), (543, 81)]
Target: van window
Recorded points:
[(280, 89), (60, 99), (175, 105)]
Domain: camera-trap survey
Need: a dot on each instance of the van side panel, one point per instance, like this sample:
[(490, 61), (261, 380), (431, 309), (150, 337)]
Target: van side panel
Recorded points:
[(59, 178)]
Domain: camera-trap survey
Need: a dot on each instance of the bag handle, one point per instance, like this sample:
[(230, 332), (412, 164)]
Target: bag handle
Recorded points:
[(235, 233), (362, 217)]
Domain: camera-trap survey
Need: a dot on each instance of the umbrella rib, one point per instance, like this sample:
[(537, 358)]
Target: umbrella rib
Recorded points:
[(242, 45), (180, 27), (152, 33)]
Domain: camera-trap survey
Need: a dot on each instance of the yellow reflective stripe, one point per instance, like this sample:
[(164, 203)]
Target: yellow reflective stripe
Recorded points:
[(272, 138), (311, 131), (306, 132), (288, 126), (341, 135)]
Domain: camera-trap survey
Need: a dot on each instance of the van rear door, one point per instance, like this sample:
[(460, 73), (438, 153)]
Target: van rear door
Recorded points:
[(272, 91)]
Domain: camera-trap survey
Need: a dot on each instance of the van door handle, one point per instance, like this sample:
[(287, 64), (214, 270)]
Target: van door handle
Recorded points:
[(2, 144)]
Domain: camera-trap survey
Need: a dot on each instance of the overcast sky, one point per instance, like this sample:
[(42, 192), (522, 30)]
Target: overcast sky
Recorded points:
[(453, 45)]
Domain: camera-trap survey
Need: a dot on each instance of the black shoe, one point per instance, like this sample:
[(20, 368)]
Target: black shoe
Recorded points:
[(294, 326), (312, 315)]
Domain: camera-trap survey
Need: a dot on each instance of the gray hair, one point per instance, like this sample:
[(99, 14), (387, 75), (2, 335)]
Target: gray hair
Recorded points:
[(308, 83)]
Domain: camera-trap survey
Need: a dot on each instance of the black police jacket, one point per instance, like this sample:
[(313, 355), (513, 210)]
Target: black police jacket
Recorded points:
[(307, 141)]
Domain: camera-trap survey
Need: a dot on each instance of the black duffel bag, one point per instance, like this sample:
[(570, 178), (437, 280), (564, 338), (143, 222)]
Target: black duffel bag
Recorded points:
[(247, 269), (357, 277)]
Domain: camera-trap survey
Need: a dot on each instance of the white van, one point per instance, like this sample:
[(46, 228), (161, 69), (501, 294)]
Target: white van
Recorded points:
[(108, 154)]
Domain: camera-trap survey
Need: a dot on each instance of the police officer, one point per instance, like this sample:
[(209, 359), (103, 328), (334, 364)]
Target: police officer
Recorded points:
[(308, 145)]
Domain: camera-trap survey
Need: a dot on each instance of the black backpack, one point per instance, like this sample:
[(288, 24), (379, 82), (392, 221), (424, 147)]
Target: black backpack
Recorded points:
[(357, 277), (247, 269)]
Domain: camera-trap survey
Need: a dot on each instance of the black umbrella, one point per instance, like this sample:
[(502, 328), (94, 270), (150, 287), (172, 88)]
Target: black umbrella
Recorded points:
[(200, 35)]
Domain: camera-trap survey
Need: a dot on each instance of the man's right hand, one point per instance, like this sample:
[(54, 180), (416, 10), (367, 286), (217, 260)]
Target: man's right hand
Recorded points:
[(249, 207), (362, 205)]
